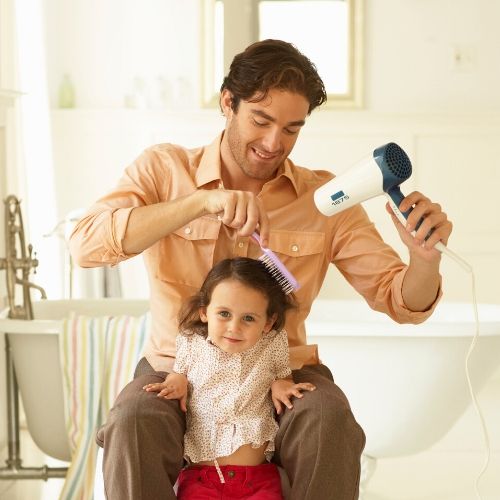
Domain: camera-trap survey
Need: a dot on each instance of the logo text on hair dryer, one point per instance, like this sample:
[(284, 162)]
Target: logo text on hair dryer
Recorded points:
[(338, 198)]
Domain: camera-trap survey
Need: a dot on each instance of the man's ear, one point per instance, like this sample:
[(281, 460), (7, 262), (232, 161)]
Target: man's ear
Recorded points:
[(203, 314), (226, 100), (270, 322)]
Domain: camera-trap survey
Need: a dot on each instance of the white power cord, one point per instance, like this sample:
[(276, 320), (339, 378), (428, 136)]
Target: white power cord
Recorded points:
[(471, 390), (468, 268)]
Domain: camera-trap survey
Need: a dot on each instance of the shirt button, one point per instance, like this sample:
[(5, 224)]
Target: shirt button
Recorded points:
[(188, 230), (241, 244), (295, 248), (231, 473)]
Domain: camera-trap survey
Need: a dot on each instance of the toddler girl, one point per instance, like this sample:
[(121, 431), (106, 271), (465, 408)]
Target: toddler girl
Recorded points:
[(231, 372)]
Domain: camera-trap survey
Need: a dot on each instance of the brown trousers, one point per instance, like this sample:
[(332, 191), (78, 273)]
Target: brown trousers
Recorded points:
[(319, 443)]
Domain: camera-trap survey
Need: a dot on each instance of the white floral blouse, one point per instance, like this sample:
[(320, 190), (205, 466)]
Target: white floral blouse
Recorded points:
[(229, 398)]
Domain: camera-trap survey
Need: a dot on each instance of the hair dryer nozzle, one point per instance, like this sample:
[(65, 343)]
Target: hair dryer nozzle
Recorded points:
[(394, 164)]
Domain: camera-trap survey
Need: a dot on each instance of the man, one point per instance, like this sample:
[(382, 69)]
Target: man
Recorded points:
[(188, 209)]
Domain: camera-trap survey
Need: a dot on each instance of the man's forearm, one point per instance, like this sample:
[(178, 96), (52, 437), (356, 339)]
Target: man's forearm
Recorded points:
[(421, 284), (150, 223)]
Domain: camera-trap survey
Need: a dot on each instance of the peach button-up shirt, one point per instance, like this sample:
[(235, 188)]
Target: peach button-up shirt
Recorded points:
[(305, 240)]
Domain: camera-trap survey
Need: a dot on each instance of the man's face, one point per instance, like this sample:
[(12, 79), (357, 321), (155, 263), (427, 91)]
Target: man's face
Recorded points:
[(261, 135)]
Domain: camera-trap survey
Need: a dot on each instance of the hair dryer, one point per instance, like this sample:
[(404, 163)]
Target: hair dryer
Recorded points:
[(380, 173)]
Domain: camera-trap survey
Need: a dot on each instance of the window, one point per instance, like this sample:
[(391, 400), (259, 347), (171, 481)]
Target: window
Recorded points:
[(326, 31)]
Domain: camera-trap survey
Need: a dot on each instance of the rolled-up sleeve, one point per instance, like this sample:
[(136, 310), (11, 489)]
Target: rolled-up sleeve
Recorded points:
[(373, 268), (97, 238)]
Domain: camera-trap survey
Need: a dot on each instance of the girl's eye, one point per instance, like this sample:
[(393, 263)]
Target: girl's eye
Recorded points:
[(224, 314), (248, 318)]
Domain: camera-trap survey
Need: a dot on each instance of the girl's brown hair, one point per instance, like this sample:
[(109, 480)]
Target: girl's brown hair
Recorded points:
[(250, 272), (273, 64)]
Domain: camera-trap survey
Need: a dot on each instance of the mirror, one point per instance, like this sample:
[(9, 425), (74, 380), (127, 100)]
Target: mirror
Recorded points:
[(329, 32)]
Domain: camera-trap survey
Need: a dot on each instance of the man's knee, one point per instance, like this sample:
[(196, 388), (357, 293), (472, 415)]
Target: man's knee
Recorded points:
[(137, 411), (325, 414)]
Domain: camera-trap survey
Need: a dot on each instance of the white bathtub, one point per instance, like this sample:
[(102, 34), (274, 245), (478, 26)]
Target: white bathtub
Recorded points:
[(406, 383), (35, 352)]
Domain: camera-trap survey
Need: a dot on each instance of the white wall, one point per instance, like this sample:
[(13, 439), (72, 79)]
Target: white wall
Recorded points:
[(104, 46), (411, 49)]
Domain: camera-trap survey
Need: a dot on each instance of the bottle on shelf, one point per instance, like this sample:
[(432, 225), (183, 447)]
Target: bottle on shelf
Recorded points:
[(66, 93)]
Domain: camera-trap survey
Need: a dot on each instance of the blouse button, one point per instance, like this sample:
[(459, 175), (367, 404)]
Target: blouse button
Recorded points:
[(231, 473), (295, 248), (241, 244), (188, 230)]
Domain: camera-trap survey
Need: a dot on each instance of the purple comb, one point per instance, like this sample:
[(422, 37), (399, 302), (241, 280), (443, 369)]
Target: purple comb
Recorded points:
[(277, 269)]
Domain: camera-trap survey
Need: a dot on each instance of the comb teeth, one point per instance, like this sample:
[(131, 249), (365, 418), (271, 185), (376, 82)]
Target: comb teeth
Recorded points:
[(277, 274), (276, 268)]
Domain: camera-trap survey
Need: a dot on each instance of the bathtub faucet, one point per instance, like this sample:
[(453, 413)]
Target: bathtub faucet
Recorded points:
[(18, 262)]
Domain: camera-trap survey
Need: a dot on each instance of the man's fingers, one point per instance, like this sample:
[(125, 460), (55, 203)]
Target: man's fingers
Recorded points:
[(264, 226), (229, 210), (241, 210), (252, 217)]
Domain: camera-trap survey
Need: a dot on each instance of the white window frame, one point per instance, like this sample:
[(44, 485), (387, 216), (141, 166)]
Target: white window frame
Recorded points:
[(239, 35)]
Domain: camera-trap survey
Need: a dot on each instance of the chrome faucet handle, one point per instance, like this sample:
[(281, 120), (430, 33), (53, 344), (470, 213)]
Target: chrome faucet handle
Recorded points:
[(33, 261)]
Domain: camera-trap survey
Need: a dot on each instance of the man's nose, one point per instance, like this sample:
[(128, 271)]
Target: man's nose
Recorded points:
[(271, 140)]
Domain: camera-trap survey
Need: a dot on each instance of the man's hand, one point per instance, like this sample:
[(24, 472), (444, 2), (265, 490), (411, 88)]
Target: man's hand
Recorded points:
[(174, 387), (283, 389), (240, 210), (433, 219)]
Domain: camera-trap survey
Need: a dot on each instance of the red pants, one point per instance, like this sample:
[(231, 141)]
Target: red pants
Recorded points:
[(258, 482)]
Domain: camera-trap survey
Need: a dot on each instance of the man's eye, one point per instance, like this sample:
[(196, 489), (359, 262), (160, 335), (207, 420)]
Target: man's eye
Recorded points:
[(259, 124), (290, 131)]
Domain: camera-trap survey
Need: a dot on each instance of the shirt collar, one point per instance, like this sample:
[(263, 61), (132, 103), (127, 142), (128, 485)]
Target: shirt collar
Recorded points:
[(287, 170), (209, 168)]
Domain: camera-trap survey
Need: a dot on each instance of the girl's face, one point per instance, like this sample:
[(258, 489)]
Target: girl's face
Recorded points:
[(236, 316)]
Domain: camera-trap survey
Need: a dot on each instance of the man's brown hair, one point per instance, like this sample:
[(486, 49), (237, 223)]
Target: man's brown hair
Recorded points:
[(273, 64)]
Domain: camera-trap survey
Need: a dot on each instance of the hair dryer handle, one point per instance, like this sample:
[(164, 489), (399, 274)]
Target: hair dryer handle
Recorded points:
[(395, 198)]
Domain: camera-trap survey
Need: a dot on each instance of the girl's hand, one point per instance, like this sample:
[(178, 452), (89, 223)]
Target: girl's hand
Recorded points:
[(283, 389), (174, 387)]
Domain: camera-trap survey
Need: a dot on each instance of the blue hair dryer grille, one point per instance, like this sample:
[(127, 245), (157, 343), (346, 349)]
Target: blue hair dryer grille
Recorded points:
[(396, 168)]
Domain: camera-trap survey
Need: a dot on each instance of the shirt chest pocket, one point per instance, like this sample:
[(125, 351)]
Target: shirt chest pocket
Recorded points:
[(186, 255), (301, 252)]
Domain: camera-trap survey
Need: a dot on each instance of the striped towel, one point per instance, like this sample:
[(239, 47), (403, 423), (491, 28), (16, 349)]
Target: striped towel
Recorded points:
[(98, 358)]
